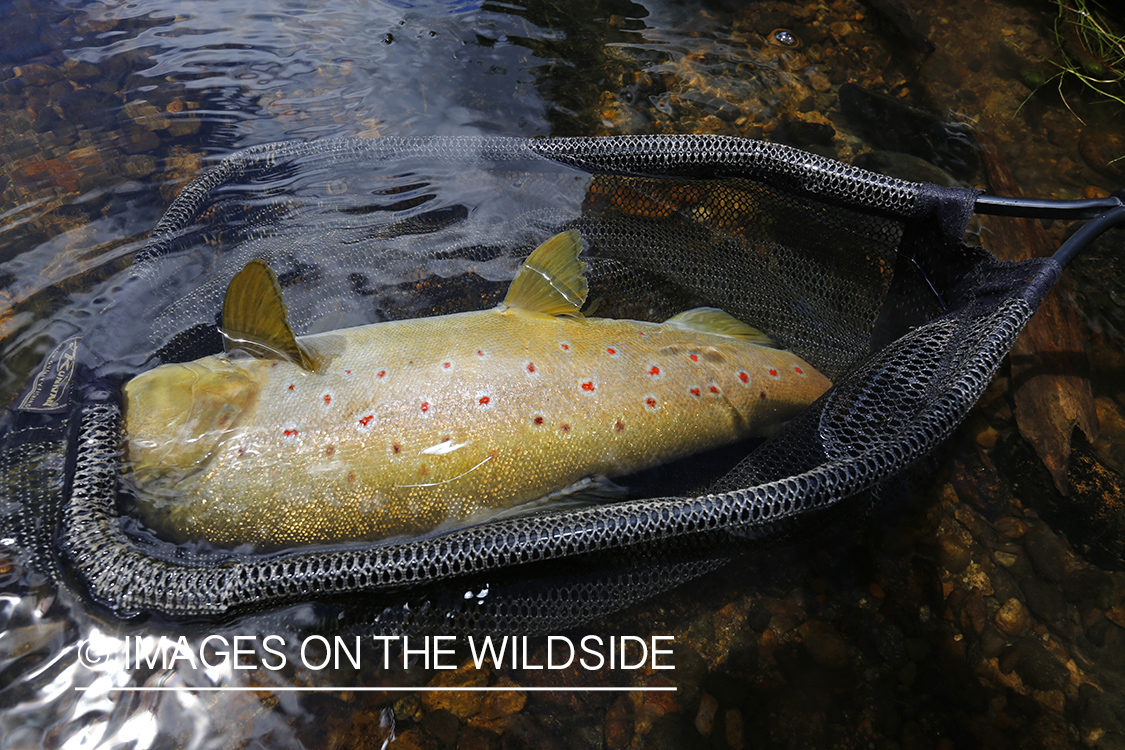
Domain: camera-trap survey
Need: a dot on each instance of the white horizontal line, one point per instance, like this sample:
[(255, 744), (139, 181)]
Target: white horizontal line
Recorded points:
[(372, 689)]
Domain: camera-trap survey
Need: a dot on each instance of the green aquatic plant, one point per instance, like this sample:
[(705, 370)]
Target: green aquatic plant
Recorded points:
[(1091, 47)]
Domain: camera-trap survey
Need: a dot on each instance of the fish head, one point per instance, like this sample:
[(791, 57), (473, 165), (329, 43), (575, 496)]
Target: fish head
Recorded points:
[(177, 414)]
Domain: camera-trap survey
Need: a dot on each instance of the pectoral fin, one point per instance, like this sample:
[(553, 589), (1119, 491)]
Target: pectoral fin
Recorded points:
[(552, 280), (714, 321), (255, 319)]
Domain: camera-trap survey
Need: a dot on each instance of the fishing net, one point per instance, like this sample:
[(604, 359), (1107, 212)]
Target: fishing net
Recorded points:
[(864, 276)]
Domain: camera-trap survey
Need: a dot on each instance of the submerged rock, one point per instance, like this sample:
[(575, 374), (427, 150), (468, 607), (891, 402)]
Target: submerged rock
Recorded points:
[(892, 125)]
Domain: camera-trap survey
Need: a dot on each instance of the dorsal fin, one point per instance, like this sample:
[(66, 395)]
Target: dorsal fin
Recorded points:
[(715, 321), (255, 319), (552, 280)]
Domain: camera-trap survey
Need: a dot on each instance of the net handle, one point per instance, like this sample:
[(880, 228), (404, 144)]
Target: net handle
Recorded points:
[(1038, 208), (1102, 213)]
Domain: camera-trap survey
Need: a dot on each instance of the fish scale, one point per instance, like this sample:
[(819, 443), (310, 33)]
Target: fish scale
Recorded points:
[(399, 428)]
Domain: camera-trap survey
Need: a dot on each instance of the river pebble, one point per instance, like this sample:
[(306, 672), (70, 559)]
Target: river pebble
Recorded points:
[(1011, 619)]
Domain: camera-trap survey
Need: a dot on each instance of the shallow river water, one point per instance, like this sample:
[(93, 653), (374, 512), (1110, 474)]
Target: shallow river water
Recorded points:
[(977, 601)]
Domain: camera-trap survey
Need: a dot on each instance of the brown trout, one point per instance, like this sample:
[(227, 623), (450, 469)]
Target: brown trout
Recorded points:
[(401, 427)]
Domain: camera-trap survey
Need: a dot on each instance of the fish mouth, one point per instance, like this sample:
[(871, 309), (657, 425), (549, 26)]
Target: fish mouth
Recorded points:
[(176, 416)]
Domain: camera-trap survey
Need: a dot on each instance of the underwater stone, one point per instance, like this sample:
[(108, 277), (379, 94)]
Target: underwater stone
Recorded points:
[(1102, 150), (823, 643), (497, 707), (1089, 584), (1046, 553), (892, 125), (140, 165), (415, 739), (462, 704), (618, 726), (145, 115), (900, 16), (733, 727), (441, 724), (890, 642), (1039, 668), (1044, 599), (670, 732), (474, 738), (705, 716), (81, 72), (1013, 528), (37, 74), (82, 106), (991, 643), (976, 611), (953, 554), (1011, 618), (138, 140), (804, 132), (1007, 559)]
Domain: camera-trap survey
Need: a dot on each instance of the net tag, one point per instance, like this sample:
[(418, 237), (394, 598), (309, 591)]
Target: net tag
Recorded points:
[(49, 391)]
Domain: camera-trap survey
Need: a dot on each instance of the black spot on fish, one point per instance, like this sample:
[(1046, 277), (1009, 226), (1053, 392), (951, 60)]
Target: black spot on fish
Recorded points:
[(329, 450)]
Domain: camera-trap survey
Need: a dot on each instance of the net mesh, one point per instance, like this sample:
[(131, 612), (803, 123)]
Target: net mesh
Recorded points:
[(864, 276)]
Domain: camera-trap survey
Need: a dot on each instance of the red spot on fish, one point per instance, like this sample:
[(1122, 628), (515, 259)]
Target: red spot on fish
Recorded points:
[(381, 373), (714, 389), (564, 346), (743, 376), (480, 352), (588, 385), (564, 428), (773, 373), (537, 421), (798, 370), (446, 365), (654, 371), (650, 402), (694, 392), (484, 400), (531, 367), (327, 399), (289, 433), (425, 406), (610, 350), (347, 372), (694, 357), (292, 387), (364, 421)]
